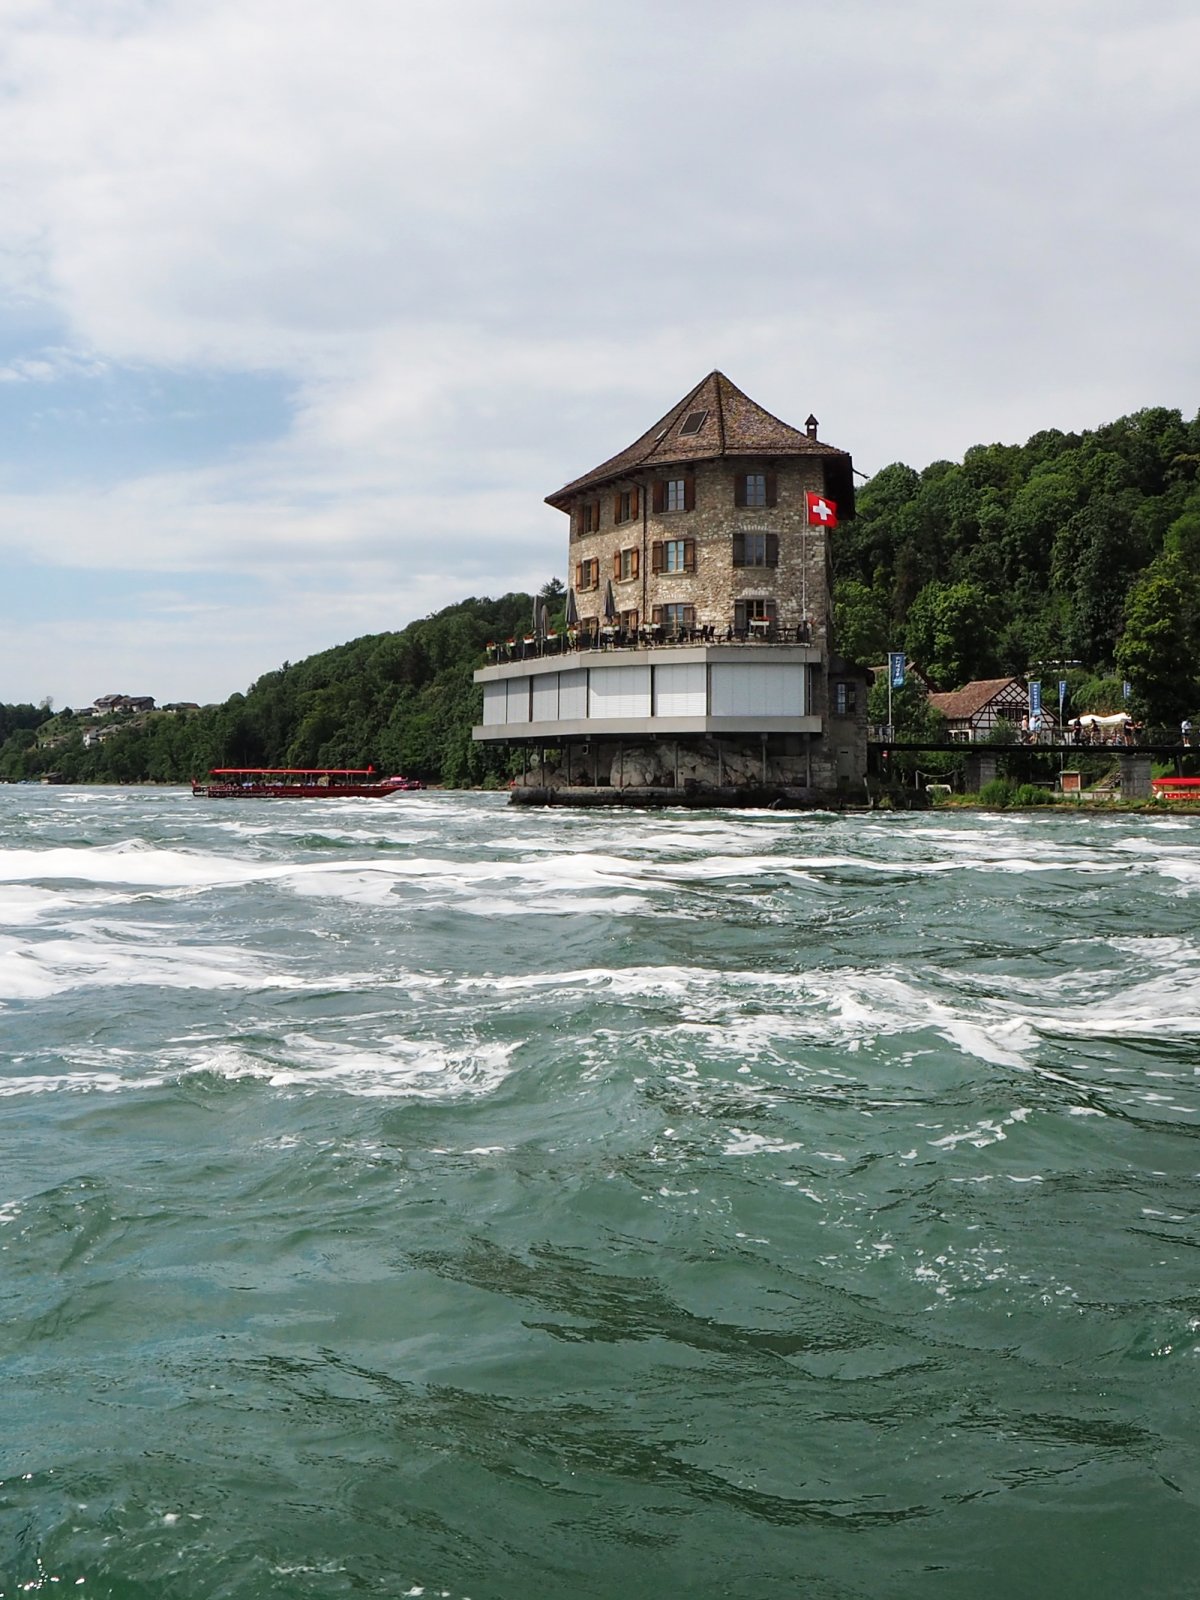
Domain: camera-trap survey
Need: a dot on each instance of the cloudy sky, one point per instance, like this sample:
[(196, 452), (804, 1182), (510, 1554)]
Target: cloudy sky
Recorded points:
[(304, 307)]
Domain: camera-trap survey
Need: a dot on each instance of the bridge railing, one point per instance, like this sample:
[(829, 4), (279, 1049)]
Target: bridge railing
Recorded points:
[(1130, 738)]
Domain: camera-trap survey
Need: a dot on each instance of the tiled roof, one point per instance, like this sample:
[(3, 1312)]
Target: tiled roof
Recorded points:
[(971, 698), (733, 426)]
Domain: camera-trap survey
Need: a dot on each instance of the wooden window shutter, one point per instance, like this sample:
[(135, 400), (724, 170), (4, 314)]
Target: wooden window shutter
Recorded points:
[(689, 492), (656, 556), (656, 616), (579, 574), (633, 620), (633, 502), (660, 495), (772, 488), (772, 549), (595, 516), (595, 572), (739, 616), (689, 555), (739, 549), (769, 608), (633, 565), (739, 489), (617, 564), (689, 616)]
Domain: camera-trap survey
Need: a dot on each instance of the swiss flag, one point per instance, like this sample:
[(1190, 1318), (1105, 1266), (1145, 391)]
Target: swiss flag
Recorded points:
[(822, 511)]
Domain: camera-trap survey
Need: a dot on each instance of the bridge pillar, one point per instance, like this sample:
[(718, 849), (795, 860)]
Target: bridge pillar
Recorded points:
[(1135, 777), (981, 769)]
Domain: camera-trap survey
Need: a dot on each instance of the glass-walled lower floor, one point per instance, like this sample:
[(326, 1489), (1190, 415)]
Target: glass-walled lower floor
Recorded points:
[(708, 691)]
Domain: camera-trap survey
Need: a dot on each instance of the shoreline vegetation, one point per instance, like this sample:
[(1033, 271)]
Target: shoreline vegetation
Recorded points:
[(1074, 558)]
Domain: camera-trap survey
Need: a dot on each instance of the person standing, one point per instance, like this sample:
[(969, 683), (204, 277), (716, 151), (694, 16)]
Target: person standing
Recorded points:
[(1185, 730)]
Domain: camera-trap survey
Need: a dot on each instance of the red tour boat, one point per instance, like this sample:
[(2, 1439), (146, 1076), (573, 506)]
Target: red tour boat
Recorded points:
[(299, 783)]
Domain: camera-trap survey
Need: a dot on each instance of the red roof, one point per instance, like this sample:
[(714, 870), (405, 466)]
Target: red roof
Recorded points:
[(972, 697)]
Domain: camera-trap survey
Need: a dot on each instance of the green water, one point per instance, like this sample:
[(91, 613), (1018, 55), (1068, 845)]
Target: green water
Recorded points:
[(423, 1196)]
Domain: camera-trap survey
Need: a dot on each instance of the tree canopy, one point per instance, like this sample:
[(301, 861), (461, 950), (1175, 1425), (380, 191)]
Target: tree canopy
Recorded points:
[(1075, 549)]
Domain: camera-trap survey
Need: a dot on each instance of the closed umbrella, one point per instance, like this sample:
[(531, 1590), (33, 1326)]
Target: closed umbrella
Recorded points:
[(572, 610), (610, 603)]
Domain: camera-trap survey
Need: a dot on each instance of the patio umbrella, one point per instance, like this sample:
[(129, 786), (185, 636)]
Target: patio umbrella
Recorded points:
[(537, 613), (572, 610), (610, 604)]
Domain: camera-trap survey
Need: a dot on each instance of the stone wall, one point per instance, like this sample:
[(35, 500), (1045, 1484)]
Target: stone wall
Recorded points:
[(799, 585), (781, 761)]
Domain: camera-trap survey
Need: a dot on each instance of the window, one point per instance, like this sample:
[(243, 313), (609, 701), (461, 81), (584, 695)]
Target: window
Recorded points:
[(753, 616), (756, 549), (675, 494), (625, 506), (629, 621), (625, 564), (589, 516), (755, 489), (693, 422), (845, 699), (673, 555), (674, 617), (587, 574)]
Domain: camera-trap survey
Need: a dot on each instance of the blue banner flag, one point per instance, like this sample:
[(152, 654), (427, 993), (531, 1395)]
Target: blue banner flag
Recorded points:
[(896, 668), (1125, 690), (1035, 698), (1062, 695)]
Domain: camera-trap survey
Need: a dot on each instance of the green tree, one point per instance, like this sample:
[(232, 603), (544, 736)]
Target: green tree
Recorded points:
[(861, 624), (1159, 652), (951, 633)]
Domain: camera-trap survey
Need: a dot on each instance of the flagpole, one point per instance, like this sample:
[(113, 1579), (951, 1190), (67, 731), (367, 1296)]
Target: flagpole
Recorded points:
[(889, 732), (804, 568)]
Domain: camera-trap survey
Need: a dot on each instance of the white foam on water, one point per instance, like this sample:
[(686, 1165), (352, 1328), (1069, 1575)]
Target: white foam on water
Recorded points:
[(395, 1068), (987, 1131), (35, 970), (741, 1143), (15, 1087), (619, 905), (24, 905), (398, 1067)]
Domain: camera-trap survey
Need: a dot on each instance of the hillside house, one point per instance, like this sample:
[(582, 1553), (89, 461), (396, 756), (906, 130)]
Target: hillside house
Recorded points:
[(974, 712)]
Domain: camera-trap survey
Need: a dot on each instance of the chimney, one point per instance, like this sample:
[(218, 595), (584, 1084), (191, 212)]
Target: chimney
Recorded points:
[(810, 426)]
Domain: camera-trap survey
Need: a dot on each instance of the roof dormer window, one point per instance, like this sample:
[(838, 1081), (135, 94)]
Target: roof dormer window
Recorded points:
[(693, 422)]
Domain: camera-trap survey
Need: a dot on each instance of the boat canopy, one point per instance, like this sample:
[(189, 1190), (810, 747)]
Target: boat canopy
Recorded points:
[(293, 772)]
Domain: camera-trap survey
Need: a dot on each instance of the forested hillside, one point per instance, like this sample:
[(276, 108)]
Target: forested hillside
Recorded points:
[(403, 702), (1071, 548), (1074, 555)]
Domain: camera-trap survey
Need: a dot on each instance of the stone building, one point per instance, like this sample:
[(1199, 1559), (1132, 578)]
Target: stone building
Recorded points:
[(701, 653)]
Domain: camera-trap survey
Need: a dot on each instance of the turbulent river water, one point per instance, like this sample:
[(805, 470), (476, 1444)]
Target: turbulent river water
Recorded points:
[(429, 1197)]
